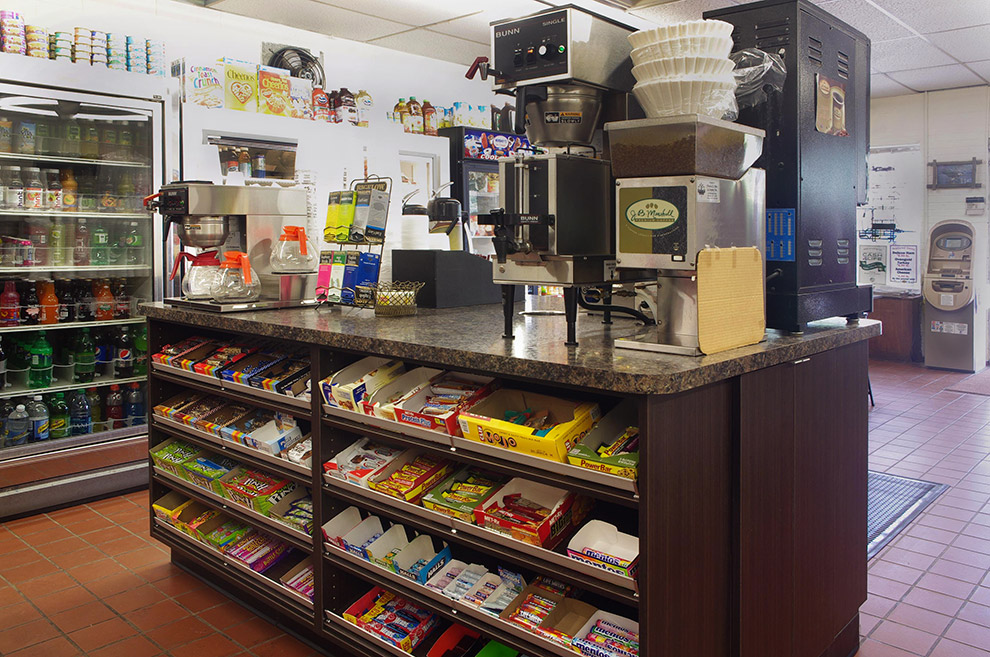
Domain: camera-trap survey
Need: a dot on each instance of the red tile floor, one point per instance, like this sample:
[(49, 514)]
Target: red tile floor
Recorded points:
[(89, 580)]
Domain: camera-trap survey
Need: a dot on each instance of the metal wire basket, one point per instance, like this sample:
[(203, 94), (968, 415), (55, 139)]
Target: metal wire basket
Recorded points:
[(396, 299)]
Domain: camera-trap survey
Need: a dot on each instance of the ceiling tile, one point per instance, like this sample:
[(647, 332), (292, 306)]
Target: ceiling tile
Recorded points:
[(866, 18), (413, 12), (938, 77), (314, 16), (937, 15), (904, 54), (882, 86), (982, 69), (682, 10), (967, 45), (476, 27), (435, 45)]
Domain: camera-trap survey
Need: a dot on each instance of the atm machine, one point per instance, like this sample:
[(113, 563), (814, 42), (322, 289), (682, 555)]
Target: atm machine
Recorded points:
[(955, 326)]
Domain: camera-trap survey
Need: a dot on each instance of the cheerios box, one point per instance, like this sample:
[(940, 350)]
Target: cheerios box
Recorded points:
[(568, 422), (273, 91), (240, 85)]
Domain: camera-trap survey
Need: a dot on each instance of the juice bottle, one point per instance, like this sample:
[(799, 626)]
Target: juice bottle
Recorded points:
[(126, 193), (80, 251), (14, 189), (429, 119), (30, 306), (37, 229), (49, 303), (321, 105), (53, 190), (108, 142), (415, 117), (334, 97), (87, 194), (365, 105), (125, 141), (89, 146), (70, 189), (400, 112), (104, 301), (348, 111), (34, 189), (244, 162), (10, 305)]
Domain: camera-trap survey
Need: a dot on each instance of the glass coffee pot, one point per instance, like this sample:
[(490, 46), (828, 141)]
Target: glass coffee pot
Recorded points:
[(293, 254), (199, 278), (236, 282)]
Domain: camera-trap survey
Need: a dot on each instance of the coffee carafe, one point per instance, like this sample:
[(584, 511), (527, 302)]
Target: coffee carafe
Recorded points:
[(200, 276), (237, 281), (293, 253)]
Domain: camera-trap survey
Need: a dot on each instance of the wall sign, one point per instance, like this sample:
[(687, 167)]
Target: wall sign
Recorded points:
[(904, 264), (873, 263)]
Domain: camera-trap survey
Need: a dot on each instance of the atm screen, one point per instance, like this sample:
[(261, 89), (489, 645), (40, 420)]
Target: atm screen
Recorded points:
[(954, 243)]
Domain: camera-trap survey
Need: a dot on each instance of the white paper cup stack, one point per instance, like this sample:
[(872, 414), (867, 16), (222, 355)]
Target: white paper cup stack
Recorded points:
[(683, 68)]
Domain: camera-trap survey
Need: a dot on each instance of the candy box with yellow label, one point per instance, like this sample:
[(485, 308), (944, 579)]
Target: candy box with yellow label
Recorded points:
[(273, 91), (255, 490), (168, 504), (565, 423), (240, 85), (191, 517), (409, 475), (612, 445)]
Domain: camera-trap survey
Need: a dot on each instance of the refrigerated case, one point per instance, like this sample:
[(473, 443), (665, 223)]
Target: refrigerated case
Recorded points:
[(77, 258), (474, 157)]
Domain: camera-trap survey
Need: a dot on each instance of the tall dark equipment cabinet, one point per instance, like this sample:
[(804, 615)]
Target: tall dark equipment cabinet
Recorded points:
[(815, 156)]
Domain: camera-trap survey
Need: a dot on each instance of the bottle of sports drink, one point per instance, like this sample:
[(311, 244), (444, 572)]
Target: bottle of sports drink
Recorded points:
[(134, 411)]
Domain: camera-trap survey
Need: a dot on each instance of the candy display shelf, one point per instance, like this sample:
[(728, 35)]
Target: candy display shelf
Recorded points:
[(271, 525), (713, 535), (299, 473), (62, 159)]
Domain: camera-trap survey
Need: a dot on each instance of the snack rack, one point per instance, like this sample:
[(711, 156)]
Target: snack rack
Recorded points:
[(331, 289), (80, 221)]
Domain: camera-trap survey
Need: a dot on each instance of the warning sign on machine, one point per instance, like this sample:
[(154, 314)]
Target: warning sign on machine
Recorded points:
[(955, 328)]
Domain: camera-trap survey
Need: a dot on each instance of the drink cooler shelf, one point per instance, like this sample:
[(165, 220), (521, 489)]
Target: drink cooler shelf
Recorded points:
[(74, 215), (190, 545), (71, 325), (299, 473), (64, 159), (279, 529), (72, 442), (584, 575), (453, 610), (19, 390), (140, 270)]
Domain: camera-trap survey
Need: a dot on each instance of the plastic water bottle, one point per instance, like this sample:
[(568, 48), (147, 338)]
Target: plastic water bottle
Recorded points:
[(115, 408), (60, 423), (38, 414), (6, 408), (18, 427), (134, 406), (79, 417)]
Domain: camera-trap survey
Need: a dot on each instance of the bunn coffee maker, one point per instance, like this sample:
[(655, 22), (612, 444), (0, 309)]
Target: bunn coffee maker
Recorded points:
[(247, 219), (817, 135), (568, 69)]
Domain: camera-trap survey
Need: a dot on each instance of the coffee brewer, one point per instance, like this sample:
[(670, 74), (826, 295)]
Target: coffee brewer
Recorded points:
[(569, 69), (246, 219)]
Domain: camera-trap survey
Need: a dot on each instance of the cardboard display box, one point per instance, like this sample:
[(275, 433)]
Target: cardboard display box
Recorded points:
[(421, 484), (350, 385), (337, 527), (408, 411), (602, 545), (435, 501), (174, 464), (435, 557), (483, 423), (383, 550), (168, 503), (549, 532), (357, 540), (593, 649), (584, 453), (382, 402), (566, 620), (337, 466), (255, 490)]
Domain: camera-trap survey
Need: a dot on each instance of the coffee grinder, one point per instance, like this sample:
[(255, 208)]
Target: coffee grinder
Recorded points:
[(246, 219), (568, 69)]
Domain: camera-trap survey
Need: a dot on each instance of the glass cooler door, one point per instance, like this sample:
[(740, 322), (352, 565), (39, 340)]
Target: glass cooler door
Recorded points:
[(76, 259)]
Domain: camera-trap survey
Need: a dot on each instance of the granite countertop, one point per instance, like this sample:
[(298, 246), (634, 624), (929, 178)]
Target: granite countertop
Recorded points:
[(471, 338)]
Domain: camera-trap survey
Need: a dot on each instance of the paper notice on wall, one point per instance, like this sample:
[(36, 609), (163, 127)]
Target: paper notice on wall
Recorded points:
[(952, 328), (904, 264), (873, 264)]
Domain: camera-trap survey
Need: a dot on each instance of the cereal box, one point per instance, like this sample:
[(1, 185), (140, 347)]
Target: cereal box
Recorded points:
[(300, 98), (202, 84), (273, 91), (240, 85)]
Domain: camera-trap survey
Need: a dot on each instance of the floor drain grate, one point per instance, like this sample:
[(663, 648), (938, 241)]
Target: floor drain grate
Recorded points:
[(893, 503)]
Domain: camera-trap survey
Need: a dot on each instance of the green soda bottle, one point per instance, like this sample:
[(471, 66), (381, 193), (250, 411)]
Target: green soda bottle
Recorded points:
[(40, 374), (59, 426), (85, 358)]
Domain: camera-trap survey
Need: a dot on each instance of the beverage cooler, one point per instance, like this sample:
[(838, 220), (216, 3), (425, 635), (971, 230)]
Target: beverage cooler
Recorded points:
[(474, 157), (77, 257)]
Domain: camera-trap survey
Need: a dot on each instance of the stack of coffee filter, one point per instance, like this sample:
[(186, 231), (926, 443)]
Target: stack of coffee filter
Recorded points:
[(684, 68)]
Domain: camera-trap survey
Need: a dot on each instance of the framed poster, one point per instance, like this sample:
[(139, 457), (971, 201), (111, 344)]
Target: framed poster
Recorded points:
[(873, 264)]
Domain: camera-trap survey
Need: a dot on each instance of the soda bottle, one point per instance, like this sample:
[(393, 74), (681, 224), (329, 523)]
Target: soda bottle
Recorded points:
[(6, 408), (115, 408), (80, 421), (3, 372), (30, 306), (40, 374), (49, 303), (104, 352), (134, 406), (85, 303), (59, 424), (99, 242), (123, 354), (141, 351), (133, 245), (95, 408), (66, 301), (85, 357), (122, 302), (81, 250), (38, 415), (104, 301), (10, 305), (18, 426)]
